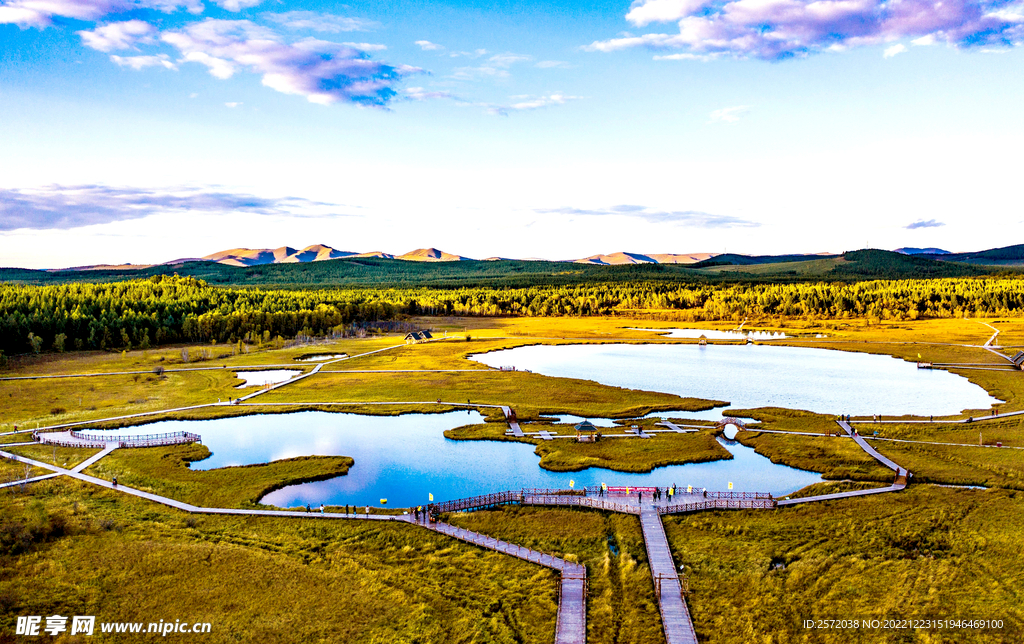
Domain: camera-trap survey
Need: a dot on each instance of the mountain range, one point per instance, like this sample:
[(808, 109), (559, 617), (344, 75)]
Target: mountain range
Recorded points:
[(1009, 256)]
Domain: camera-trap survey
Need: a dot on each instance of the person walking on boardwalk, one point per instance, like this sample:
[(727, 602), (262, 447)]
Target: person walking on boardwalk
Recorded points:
[(321, 508), (115, 481), (308, 509)]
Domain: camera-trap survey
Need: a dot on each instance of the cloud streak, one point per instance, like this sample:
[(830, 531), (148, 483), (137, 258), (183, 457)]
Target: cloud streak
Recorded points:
[(921, 223), (779, 29), (64, 207), (323, 22), (688, 218), (729, 114)]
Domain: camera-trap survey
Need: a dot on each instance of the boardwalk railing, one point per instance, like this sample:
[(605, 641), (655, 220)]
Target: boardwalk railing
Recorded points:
[(485, 501), (720, 504), (45, 439), (581, 501), (145, 440), (737, 495)]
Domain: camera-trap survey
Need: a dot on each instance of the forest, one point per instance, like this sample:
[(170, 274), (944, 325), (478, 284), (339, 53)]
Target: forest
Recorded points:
[(169, 309)]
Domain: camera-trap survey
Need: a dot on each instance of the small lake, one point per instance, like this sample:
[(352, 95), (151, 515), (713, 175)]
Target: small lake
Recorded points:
[(818, 380), (712, 334), (260, 378), (405, 458)]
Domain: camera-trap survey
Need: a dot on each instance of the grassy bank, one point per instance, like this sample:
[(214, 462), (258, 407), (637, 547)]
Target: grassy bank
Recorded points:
[(926, 553), (66, 457), (618, 454), (835, 458), (71, 549), (529, 394), (165, 471)]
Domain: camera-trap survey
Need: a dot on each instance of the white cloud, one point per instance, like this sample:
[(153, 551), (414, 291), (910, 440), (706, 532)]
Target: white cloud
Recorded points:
[(894, 50), (56, 206), (643, 13), (780, 29), (729, 114), (365, 46), (141, 62), (924, 41), (323, 72), (118, 35), (426, 45), (39, 13), (232, 105), (237, 5), (322, 22), (421, 94)]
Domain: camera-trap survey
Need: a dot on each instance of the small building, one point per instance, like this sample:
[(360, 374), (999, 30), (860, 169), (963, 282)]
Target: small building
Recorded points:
[(426, 335), (702, 340), (414, 336), (586, 432)]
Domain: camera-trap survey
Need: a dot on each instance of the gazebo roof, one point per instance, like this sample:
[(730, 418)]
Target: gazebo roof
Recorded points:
[(586, 426)]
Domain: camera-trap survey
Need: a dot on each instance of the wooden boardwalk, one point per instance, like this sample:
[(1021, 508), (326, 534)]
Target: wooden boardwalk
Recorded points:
[(675, 617), (571, 624), (843, 495), (900, 471)]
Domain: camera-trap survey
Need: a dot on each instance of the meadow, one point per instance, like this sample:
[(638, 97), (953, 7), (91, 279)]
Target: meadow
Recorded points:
[(924, 552)]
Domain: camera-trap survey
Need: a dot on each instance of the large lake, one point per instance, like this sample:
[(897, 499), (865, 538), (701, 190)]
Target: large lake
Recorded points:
[(405, 458), (819, 380)]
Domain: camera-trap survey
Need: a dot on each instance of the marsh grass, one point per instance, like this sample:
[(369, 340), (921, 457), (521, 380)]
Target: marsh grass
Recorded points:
[(923, 553), (90, 551), (834, 458), (529, 394), (621, 606), (618, 454), (65, 457), (954, 465), (165, 471)]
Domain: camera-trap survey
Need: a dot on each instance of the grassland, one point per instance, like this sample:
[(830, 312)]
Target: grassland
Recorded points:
[(65, 457), (835, 458), (165, 471), (617, 454), (949, 465), (903, 555), (71, 549), (925, 553), (621, 606), (531, 395)]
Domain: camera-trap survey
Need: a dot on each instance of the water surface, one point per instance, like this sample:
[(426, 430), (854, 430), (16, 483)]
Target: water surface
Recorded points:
[(405, 458), (819, 380)]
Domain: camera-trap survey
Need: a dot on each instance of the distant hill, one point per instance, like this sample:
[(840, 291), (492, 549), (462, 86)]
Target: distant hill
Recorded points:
[(621, 258), (282, 255), (1006, 256), (430, 255), (921, 251)]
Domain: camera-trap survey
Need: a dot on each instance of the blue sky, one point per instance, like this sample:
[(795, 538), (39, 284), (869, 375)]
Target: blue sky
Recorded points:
[(146, 130)]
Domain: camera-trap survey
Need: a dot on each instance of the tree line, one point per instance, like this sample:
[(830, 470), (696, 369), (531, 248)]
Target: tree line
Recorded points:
[(172, 309)]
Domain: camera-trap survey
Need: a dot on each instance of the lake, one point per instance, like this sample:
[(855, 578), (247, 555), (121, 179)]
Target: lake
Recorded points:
[(404, 458), (818, 380)]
